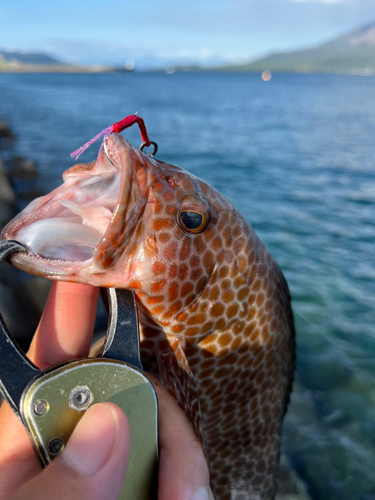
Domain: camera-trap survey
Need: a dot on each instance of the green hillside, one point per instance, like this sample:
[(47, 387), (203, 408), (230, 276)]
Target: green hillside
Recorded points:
[(7, 56), (350, 53)]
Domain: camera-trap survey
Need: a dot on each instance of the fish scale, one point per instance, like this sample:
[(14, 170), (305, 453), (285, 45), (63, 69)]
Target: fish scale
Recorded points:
[(237, 340), (214, 308)]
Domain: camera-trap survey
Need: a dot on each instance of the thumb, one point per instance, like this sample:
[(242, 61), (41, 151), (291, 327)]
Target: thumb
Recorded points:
[(93, 464)]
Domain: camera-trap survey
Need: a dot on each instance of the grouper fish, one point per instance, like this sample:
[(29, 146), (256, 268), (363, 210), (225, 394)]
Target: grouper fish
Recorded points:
[(215, 316)]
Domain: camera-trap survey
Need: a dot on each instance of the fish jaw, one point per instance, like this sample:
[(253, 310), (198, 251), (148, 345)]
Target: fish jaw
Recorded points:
[(80, 231)]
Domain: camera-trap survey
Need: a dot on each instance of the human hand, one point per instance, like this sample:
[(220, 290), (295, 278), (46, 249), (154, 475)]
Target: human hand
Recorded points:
[(93, 463)]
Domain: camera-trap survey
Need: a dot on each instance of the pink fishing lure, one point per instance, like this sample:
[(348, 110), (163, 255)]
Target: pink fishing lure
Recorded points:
[(117, 127)]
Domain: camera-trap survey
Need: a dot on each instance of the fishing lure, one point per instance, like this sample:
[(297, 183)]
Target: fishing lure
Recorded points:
[(118, 127)]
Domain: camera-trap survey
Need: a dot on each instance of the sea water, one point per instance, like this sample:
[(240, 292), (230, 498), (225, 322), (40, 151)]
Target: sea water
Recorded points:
[(296, 155)]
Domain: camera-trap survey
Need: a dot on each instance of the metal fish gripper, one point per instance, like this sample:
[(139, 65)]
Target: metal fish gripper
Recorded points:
[(50, 403)]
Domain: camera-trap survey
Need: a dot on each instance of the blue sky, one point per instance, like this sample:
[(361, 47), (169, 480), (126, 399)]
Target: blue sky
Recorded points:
[(168, 32)]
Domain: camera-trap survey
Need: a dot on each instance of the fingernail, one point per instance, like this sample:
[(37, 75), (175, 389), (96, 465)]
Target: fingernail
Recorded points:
[(201, 494), (93, 440)]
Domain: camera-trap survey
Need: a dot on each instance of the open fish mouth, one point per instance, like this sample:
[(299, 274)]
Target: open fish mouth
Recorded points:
[(66, 240), (78, 223), (70, 233)]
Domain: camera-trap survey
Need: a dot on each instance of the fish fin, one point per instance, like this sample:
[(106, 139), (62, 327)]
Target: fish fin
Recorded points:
[(290, 360), (177, 378), (166, 359)]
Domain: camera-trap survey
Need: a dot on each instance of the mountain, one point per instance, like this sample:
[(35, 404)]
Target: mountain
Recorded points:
[(353, 52), (26, 58), (34, 62)]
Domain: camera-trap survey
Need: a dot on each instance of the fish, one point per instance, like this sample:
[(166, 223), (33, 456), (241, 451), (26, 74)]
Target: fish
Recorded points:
[(216, 324)]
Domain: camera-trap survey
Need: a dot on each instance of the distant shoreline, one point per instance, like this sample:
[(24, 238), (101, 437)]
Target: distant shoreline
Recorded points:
[(65, 68), (54, 68)]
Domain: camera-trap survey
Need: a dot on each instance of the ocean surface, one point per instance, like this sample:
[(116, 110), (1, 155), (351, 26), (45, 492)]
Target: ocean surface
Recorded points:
[(296, 156)]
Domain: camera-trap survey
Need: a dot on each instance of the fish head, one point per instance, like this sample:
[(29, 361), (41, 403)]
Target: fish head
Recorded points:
[(129, 221)]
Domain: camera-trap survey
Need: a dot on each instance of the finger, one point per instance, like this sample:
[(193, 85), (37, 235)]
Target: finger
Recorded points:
[(65, 332), (183, 470), (18, 462), (66, 328), (93, 464)]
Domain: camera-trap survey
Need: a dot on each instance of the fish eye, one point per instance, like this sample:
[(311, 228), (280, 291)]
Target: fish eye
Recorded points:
[(192, 222), (194, 214)]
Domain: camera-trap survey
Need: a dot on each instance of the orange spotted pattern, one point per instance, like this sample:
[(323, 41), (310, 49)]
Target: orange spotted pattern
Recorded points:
[(214, 308), (217, 327)]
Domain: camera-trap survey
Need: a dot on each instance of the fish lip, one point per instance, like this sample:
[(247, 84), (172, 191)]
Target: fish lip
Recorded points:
[(55, 268), (132, 197), (41, 207)]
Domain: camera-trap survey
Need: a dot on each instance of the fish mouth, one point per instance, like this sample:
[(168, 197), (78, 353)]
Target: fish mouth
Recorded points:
[(86, 221)]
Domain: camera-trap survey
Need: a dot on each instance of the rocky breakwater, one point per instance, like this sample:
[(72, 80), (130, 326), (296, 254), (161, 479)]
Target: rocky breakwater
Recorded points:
[(22, 297)]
